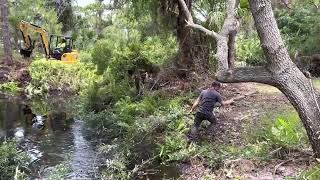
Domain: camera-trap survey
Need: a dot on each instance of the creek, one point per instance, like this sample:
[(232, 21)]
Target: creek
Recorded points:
[(50, 136)]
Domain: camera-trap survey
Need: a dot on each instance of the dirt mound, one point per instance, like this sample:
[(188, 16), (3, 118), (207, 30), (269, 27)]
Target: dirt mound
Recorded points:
[(17, 72)]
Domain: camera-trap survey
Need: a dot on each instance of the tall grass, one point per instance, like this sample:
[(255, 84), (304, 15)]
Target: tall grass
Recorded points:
[(283, 130)]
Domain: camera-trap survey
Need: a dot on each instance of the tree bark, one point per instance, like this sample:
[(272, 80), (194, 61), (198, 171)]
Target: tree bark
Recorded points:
[(99, 21), (184, 38), (7, 47), (232, 48), (287, 77), (65, 15)]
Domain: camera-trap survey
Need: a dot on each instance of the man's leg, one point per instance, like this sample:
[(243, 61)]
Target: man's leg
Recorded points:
[(213, 121), (197, 122)]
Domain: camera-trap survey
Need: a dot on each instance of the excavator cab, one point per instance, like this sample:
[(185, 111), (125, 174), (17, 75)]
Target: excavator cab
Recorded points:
[(56, 47), (59, 45)]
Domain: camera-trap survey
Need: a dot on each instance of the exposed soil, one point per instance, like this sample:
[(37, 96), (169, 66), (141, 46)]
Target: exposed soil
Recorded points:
[(18, 72), (233, 122)]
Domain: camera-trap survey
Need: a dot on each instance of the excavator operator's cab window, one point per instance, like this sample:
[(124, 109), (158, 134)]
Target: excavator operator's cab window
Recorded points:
[(60, 45), (59, 49)]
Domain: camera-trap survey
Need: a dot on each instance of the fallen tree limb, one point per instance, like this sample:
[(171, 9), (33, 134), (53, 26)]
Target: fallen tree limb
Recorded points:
[(246, 74)]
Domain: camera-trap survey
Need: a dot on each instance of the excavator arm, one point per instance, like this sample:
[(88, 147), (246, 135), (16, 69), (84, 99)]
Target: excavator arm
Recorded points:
[(24, 27)]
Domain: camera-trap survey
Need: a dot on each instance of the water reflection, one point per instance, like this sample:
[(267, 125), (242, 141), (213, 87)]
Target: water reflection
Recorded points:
[(49, 136), (46, 137)]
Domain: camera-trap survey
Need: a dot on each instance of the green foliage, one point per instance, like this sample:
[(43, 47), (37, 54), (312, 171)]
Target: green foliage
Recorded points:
[(10, 88), (249, 50), (159, 49), (85, 57), (284, 130), (102, 54), (126, 44), (134, 131), (122, 54), (60, 171), (102, 125), (311, 174), (300, 28), (55, 76), (10, 159), (126, 108), (244, 4)]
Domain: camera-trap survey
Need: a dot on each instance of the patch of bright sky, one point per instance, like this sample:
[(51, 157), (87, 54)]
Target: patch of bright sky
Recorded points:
[(83, 3)]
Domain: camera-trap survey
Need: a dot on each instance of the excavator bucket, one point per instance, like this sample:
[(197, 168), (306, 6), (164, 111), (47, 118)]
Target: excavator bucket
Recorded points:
[(25, 52)]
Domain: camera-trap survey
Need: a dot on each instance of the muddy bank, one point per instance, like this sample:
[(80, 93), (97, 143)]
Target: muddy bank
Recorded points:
[(18, 72)]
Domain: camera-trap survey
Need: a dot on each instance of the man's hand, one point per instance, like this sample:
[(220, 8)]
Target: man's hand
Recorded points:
[(228, 102)]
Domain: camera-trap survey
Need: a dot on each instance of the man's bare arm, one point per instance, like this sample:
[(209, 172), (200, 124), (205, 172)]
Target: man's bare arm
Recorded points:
[(195, 104)]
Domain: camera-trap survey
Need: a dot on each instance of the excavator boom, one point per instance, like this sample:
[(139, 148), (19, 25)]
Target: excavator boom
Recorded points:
[(29, 46), (53, 52)]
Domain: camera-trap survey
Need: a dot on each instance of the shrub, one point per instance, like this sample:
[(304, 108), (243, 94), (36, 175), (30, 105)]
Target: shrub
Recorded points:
[(159, 49), (55, 76), (301, 28), (85, 57), (284, 130), (10, 88), (60, 171), (127, 110), (249, 50), (10, 159), (102, 125), (311, 174)]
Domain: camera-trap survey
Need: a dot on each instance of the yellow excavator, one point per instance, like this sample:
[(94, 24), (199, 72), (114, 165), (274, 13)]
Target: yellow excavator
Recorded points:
[(56, 47)]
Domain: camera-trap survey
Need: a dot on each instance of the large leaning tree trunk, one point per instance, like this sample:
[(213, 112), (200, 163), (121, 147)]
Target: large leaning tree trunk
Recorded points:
[(4, 8), (280, 71), (184, 35)]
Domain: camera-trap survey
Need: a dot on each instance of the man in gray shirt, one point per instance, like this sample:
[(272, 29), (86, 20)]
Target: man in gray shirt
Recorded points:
[(206, 102)]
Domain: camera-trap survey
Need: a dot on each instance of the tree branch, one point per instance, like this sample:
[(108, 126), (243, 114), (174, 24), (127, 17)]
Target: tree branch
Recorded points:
[(190, 22), (246, 74)]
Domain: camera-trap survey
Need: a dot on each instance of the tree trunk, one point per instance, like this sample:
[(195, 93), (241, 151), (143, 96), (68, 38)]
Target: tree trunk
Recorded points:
[(4, 8), (232, 48), (99, 20), (287, 77), (65, 15), (184, 38)]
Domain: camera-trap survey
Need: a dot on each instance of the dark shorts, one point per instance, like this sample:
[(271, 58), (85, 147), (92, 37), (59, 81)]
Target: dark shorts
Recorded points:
[(201, 116)]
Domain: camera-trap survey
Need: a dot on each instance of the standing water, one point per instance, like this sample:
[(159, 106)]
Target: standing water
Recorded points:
[(50, 139)]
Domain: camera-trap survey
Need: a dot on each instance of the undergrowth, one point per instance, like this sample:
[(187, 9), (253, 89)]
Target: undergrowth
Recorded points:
[(59, 171), (283, 130), (12, 161), (10, 88), (48, 76), (136, 133), (311, 174)]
